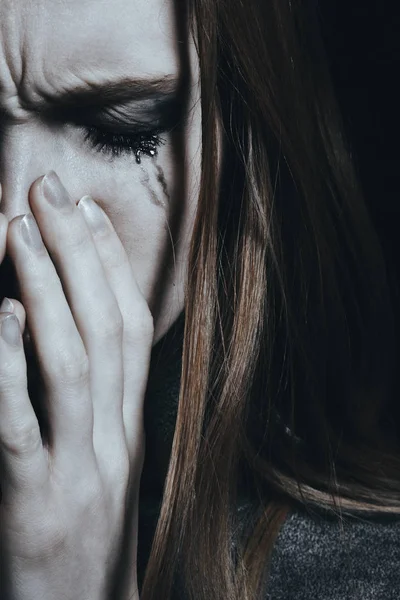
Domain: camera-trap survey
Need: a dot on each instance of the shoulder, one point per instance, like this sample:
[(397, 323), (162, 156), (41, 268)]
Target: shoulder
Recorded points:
[(318, 557)]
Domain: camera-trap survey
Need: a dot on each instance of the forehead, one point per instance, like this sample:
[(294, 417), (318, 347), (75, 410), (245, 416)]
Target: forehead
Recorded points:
[(48, 44)]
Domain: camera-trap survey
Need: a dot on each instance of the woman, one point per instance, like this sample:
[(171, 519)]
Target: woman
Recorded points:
[(194, 228)]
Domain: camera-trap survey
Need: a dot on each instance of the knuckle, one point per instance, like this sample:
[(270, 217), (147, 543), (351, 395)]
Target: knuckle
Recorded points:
[(21, 438), (71, 368), (50, 537), (43, 285), (109, 324), (141, 326)]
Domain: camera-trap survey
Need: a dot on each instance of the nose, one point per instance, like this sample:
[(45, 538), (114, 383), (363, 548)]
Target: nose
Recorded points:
[(27, 151)]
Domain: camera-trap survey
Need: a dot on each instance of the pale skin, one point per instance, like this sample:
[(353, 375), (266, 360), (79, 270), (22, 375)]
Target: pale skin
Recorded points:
[(91, 304)]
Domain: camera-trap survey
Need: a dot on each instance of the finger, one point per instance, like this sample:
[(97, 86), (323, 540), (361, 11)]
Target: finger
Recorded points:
[(91, 300), (59, 347), (23, 459), (138, 323), (12, 305)]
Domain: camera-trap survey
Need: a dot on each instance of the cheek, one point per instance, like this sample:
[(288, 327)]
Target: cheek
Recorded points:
[(141, 201)]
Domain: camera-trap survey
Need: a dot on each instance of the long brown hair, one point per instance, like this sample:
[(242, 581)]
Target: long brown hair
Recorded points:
[(287, 388)]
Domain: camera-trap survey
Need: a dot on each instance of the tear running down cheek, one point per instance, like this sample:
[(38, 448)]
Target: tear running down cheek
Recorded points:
[(154, 181)]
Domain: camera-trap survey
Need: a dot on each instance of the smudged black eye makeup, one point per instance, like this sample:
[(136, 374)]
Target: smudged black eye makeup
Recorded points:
[(118, 144), (136, 128)]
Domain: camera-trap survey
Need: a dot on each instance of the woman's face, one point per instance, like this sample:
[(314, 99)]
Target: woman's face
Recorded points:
[(91, 89)]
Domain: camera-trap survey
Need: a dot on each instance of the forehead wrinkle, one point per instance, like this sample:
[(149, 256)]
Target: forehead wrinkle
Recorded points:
[(57, 44), (10, 50), (51, 86), (20, 40)]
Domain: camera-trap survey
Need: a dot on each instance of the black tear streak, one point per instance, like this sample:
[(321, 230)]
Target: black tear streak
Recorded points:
[(154, 198), (145, 181), (161, 180)]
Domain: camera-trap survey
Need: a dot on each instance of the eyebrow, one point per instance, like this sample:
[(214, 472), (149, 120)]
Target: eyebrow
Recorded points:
[(112, 92)]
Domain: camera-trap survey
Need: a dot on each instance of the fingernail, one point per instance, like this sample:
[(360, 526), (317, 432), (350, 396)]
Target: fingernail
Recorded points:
[(54, 191), (30, 232), (6, 305), (10, 330), (94, 216)]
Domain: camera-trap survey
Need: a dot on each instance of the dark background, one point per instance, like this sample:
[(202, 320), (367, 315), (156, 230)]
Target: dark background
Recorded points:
[(362, 39)]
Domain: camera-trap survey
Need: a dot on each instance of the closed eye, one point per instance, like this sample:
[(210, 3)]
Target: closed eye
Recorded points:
[(117, 144)]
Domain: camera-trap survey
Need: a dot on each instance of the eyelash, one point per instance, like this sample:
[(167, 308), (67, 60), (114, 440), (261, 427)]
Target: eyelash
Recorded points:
[(117, 144)]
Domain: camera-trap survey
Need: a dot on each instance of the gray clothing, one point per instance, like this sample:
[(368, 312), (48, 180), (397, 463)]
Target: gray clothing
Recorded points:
[(316, 559)]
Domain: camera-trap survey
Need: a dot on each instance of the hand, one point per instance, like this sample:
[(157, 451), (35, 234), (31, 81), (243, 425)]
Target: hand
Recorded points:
[(67, 503)]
